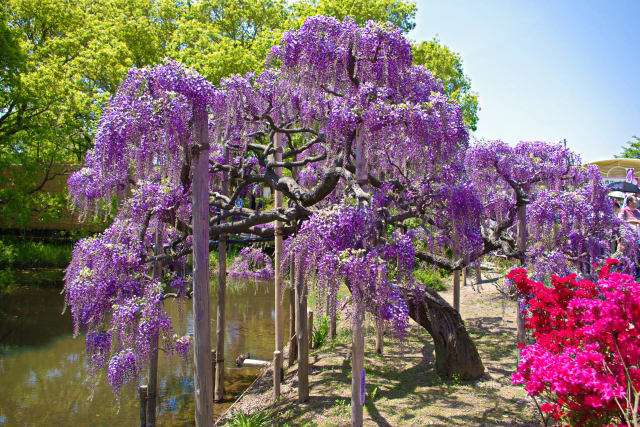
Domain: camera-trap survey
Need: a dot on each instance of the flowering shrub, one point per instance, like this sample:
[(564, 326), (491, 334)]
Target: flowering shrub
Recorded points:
[(584, 362), (251, 264)]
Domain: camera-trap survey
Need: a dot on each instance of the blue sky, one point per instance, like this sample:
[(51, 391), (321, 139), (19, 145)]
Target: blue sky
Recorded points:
[(547, 70)]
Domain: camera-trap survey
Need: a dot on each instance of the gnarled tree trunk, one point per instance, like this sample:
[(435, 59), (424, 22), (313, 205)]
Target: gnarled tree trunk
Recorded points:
[(455, 351)]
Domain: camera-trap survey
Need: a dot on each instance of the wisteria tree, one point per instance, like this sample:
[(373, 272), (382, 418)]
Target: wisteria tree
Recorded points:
[(360, 124), (568, 218), (542, 207)]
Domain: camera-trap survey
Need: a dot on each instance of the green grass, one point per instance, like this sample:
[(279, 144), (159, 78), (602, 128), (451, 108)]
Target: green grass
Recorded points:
[(259, 419), (320, 333), (36, 254)]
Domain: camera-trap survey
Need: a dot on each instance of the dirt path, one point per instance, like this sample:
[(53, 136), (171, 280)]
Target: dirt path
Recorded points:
[(402, 386)]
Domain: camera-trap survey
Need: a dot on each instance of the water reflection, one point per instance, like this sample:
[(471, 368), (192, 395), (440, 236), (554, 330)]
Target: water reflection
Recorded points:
[(43, 375)]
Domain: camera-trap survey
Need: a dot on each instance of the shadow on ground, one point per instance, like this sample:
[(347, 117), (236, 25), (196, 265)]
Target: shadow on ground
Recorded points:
[(402, 386)]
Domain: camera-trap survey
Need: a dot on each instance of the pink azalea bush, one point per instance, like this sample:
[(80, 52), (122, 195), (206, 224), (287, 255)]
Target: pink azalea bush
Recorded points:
[(583, 368)]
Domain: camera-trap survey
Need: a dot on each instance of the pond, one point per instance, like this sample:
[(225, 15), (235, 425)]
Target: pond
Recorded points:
[(43, 371)]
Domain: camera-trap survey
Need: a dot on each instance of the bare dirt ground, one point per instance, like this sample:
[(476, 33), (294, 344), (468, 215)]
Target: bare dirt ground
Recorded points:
[(402, 386)]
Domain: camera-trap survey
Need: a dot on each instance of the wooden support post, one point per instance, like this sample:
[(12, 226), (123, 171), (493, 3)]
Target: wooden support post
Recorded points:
[(357, 368), (456, 290), (310, 327), (142, 394), (357, 337), (222, 290), (333, 323), (203, 388), (464, 277), (279, 318), (302, 334), (277, 374), (379, 336), (478, 272), (214, 356), (293, 341), (153, 381), (152, 389), (522, 244)]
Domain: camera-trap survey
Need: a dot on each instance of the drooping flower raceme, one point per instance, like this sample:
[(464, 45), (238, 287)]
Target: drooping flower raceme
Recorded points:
[(251, 264)]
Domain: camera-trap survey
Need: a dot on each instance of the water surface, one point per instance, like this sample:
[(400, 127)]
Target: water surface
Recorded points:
[(43, 372)]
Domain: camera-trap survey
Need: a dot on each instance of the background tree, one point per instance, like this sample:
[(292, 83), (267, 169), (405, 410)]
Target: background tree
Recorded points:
[(447, 65), (399, 13), (569, 220), (632, 151), (72, 58), (63, 63), (224, 37)]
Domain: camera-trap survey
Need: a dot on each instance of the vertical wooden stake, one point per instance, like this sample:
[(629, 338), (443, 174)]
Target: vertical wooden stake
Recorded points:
[(142, 393), (357, 331), (293, 341), (214, 357), (478, 272), (302, 333), (522, 243), (310, 327), (203, 387), (379, 336), (357, 367), (222, 290), (361, 158), (464, 276), (279, 319), (333, 322), (152, 390), (456, 290), (277, 374)]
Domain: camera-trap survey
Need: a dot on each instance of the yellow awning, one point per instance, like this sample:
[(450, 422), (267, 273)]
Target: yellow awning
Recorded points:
[(617, 167)]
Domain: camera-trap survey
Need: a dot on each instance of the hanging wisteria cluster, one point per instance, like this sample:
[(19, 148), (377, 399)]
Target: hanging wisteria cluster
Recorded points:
[(338, 245), (251, 264), (141, 153)]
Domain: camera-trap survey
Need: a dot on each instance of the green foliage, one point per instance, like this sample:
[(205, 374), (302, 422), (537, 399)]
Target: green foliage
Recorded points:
[(67, 58), (20, 255), (62, 61), (399, 13), (231, 253), (7, 278), (429, 277), (34, 254), (447, 65), (632, 151), (8, 255), (320, 333), (259, 419), (223, 37), (374, 394)]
